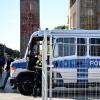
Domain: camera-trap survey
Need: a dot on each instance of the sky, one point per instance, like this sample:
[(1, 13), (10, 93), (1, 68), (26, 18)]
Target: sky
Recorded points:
[(52, 13)]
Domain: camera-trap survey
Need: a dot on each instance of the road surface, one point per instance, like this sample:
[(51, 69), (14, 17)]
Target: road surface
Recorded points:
[(9, 94)]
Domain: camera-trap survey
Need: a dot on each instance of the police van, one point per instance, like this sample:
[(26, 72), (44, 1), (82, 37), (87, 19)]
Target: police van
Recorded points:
[(75, 56)]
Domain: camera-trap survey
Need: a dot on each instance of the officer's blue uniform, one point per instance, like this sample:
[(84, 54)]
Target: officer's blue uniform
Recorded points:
[(38, 79)]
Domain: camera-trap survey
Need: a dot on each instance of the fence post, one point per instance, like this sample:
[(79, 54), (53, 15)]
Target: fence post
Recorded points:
[(44, 67)]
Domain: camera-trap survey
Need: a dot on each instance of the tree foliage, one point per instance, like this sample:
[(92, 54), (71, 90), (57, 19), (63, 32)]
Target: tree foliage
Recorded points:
[(9, 51), (61, 27)]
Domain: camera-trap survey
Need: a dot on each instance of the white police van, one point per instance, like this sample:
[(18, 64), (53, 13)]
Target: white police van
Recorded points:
[(75, 59)]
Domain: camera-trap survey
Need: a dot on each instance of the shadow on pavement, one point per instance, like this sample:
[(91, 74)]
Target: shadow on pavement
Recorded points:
[(8, 88)]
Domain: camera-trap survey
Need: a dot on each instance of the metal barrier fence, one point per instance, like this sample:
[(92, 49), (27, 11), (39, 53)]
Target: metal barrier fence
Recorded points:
[(74, 77), (44, 69), (79, 82), (66, 88)]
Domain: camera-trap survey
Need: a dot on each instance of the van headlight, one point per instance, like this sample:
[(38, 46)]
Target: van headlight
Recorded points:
[(12, 70)]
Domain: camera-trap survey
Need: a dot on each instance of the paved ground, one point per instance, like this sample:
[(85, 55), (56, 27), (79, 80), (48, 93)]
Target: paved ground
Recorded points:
[(9, 94)]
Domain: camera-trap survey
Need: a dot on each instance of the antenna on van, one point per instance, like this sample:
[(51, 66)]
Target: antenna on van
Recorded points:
[(46, 29), (39, 29)]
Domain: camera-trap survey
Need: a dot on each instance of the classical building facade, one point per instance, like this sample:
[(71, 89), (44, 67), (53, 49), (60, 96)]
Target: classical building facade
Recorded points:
[(84, 14), (29, 21)]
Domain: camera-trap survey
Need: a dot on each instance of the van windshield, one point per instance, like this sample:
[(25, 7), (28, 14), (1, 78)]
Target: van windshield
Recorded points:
[(34, 46)]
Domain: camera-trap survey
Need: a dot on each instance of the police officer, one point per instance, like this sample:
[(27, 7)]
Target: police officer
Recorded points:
[(31, 62), (38, 77), (2, 62), (9, 60)]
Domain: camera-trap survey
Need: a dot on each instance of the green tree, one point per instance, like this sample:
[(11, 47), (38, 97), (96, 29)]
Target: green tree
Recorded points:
[(61, 27), (9, 51)]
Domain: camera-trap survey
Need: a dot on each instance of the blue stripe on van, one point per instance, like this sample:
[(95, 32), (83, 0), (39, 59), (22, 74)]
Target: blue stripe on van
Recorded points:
[(82, 66), (64, 64), (20, 64), (94, 63), (82, 70), (87, 63)]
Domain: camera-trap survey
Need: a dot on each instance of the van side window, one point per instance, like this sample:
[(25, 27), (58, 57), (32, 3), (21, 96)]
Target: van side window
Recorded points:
[(81, 47), (94, 46), (64, 47)]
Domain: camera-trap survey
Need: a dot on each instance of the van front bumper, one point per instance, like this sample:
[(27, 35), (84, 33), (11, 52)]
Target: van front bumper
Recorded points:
[(13, 81)]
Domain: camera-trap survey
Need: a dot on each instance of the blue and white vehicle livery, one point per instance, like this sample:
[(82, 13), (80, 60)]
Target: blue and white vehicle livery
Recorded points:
[(75, 58)]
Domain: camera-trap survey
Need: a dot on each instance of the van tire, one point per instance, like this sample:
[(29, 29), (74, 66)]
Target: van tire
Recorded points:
[(26, 85)]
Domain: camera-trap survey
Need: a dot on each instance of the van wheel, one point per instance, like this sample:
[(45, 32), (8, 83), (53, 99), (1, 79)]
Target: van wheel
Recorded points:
[(25, 86)]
